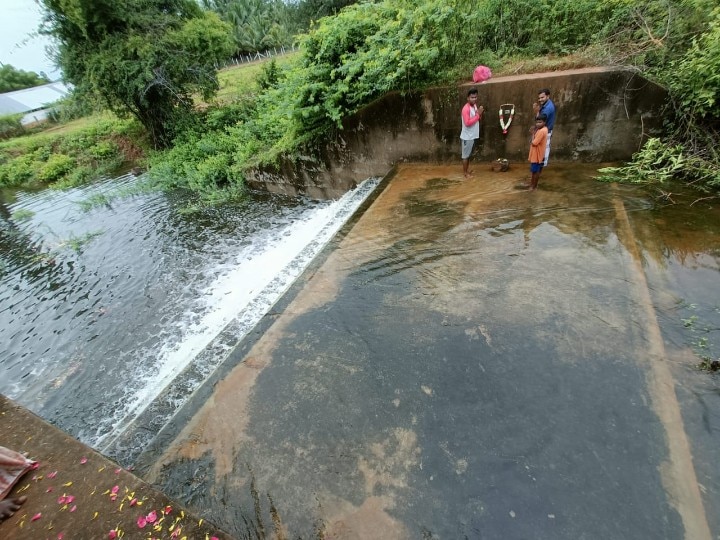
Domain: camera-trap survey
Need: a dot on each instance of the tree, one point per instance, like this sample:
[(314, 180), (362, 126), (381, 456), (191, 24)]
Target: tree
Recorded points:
[(143, 57), (16, 79), (258, 25), (312, 10)]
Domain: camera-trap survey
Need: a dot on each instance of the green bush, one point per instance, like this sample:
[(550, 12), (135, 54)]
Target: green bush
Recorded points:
[(269, 75), (658, 163), (18, 171), (103, 149), (68, 160), (55, 168), (695, 77), (10, 126)]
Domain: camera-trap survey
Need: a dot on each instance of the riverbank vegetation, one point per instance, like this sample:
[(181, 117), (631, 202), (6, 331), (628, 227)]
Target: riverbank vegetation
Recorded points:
[(207, 137), (77, 153)]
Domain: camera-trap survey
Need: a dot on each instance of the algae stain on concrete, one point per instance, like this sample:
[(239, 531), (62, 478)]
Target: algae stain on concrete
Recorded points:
[(385, 467)]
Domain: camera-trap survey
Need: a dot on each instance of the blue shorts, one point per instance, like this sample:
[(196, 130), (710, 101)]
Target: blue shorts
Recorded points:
[(535, 167)]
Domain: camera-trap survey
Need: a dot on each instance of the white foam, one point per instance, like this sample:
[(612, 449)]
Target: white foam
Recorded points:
[(244, 291)]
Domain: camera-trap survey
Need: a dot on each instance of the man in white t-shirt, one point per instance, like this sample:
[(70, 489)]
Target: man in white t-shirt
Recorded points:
[(471, 117)]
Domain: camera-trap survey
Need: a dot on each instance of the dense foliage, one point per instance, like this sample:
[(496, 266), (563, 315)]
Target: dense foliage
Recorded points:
[(10, 126), (144, 57), (688, 65), (261, 25), (308, 11), (257, 25), (128, 51), (66, 160), (16, 79)]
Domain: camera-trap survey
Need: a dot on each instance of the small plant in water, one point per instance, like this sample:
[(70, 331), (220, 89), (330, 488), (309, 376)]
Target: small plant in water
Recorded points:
[(708, 364), (701, 343), (99, 199), (77, 243), (23, 214)]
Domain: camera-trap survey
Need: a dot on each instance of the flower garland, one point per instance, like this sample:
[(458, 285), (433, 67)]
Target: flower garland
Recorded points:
[(505, 126)]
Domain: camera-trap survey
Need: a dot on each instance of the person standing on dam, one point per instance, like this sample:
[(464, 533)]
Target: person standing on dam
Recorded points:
[(544, 105), (538, 147), (470, 117)]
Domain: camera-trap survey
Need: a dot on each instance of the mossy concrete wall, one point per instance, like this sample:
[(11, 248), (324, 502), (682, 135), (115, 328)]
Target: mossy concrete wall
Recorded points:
[(603, 115)]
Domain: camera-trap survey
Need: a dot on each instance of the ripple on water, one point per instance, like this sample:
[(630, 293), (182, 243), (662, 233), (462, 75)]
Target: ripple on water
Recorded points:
[(106, 296)]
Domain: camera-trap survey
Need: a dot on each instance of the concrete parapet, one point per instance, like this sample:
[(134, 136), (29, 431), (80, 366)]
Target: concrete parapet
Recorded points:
[(603, 115), (76, 493)]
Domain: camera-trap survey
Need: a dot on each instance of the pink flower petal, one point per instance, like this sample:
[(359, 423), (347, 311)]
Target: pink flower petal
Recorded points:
[(52, 475), (133, 502), (141, 522), (35, 466), (83, 460), (151, 517), (117, 471), (49, 490), (73, 508), (167, 510), (112, 534), (115, 489), (61, 536), (62, 500), (69, 499), (36, 517)]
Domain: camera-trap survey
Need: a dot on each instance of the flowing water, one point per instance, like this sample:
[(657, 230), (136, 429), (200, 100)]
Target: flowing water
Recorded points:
[(114, 304), (467, 359)]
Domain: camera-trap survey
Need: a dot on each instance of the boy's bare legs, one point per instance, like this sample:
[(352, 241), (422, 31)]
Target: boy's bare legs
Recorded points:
[(466, 166)]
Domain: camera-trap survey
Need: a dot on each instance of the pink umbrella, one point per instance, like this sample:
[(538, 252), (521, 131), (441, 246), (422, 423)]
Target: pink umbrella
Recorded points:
[(481, 74)]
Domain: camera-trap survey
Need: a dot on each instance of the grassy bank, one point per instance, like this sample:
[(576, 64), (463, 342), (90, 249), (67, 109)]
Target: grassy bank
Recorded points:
[(71, 154), (85, 149)]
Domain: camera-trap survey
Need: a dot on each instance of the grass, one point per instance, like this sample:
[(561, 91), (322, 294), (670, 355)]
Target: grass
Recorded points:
[(18, 144), (242, 80)]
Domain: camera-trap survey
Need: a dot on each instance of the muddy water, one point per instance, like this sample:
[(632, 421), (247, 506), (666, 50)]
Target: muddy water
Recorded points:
[(473, 360)]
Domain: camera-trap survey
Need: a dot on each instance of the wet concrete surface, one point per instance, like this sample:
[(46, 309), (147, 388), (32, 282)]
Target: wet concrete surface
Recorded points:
[(470, 360), (76, 493)]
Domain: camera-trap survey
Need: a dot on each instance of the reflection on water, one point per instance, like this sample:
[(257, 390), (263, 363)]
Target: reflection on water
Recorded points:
[(106, 298)]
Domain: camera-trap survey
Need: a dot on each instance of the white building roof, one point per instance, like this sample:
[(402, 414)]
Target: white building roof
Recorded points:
[(32, 99)]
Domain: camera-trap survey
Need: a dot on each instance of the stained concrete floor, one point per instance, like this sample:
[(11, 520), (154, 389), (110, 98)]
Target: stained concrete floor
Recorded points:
[(74, 493), (469, 360)]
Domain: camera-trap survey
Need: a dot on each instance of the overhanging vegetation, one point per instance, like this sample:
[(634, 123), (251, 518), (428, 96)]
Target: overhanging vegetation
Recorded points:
[(367, 49)]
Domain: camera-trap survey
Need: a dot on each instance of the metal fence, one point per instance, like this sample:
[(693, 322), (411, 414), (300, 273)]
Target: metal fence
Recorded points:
[(247, 58)]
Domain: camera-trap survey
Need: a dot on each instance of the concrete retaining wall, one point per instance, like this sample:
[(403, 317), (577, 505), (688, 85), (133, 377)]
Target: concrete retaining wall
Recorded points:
[(603, 114)]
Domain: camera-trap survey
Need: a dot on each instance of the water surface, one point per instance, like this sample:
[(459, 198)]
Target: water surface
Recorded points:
[(108, 299)]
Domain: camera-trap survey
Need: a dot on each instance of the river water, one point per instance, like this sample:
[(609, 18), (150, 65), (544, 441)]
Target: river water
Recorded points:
[(114, 302)]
